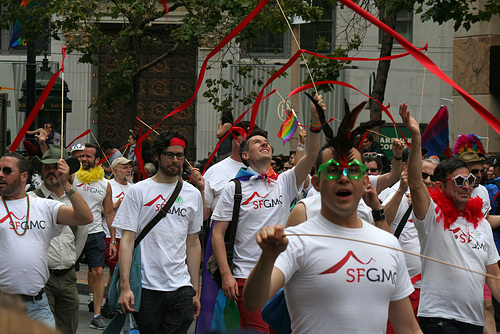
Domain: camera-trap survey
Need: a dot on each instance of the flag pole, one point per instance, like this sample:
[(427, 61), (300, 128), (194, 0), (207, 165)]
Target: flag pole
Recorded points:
[(62, 102)]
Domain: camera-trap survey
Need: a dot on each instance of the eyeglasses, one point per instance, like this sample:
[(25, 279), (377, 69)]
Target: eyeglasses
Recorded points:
[(333, 171), (425, 176), (8, 170), (460, 180), (372, 155), (475, 171), (170, 155), (372, 170)]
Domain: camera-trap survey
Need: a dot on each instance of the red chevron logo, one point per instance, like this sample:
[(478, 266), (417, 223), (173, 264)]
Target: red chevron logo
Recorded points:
[(154, 200), (7, 216), (119, 195), (342, 262), (252, 197)]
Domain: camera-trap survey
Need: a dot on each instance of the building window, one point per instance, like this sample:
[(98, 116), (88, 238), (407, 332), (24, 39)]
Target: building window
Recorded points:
[(279, 44), (404, 26), (323, 29)]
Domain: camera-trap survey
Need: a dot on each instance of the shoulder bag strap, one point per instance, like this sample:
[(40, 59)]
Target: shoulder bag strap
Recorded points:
[(403, 221), (234, 220), (161, 214)]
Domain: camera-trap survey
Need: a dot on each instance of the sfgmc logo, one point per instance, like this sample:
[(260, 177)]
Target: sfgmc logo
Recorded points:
[(158, 205), (460, 235), (263, 202), (359, 271)]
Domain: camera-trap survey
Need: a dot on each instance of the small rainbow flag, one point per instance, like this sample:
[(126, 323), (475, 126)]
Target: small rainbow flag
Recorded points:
[(288, 127)]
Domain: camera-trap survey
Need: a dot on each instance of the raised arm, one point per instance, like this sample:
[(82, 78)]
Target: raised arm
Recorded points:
[(419, 194), (79, 213), (388, 179), (391, 208), (265, 279), (303, 167)]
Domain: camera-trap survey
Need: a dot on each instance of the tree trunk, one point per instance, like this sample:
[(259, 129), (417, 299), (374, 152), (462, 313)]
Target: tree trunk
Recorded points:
[(382, 69)]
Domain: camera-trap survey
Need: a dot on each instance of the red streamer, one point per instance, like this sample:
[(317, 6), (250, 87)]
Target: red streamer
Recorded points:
[(427, 63), (34, 112), (86, 132), (63, 56)]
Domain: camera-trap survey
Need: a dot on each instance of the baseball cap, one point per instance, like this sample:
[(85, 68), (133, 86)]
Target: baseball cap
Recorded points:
[(76, 147), (120, 161)]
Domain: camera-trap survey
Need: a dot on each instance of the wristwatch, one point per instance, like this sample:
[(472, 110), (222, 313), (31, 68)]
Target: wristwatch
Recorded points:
[(114, 242), (71, 191)]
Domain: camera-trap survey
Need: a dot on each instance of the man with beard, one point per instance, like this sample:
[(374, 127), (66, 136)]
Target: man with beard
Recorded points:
[(171, 251), (64, 249), (451, 227), (27, 224), (96, 191), (120, 184)]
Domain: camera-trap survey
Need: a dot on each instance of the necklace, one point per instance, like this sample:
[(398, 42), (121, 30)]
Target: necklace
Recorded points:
[(12, 220)]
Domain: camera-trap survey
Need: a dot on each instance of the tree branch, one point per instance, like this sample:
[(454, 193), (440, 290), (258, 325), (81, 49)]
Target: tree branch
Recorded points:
[(160, 58)]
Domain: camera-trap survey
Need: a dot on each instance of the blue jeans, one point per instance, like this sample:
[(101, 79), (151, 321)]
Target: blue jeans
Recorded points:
[(447, 326), (165, 312), (39, 310)]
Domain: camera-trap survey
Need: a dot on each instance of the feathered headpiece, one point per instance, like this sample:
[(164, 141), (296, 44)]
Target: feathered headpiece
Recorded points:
[(346, 136), (466, 143)]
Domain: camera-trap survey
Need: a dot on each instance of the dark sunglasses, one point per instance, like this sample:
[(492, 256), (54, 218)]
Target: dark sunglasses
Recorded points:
[(475, 171), (372, 170), (425, 175), (8, 170)]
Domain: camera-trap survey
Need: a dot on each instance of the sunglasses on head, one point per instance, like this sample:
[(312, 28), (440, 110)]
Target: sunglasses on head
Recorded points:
[(372, 155), (8, 170), (460, 180), (333, 171), (425, 176)]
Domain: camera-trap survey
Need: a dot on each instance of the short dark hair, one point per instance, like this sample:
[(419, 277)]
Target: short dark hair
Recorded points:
[(162, 141), (319, 158), (245, 144), (378, 160), (98, 150), (446, 167), (22, 163), (107, 144)]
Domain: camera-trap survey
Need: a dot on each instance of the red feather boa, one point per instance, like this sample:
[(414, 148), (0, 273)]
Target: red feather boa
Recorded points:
[(448, 213)]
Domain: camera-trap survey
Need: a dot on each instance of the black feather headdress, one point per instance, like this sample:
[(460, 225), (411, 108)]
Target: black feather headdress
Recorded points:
[(346, 135)]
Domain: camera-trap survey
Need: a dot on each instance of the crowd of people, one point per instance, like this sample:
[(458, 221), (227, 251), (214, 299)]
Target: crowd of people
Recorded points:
[(409, 243)]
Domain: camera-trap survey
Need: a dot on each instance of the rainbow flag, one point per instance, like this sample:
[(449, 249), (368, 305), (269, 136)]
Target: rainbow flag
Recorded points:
[(436, 136), (17, 38), (288, 127)]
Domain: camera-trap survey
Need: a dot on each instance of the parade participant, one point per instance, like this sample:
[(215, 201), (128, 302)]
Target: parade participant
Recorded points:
[(113, 153), (266, 199), (120, 185), (96, 191), (171, 251), (329, 283), (64, 249), (451, 228), (77, 150), (26, 228)]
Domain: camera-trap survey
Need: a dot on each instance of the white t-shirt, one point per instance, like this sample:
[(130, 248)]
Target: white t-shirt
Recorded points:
[(216, 178), (23, 260), (341, 286), (117, 191), (163, 249), (482, 192), (449, 292), (408, 239), (263, 203), (313, 208), (94, 195)]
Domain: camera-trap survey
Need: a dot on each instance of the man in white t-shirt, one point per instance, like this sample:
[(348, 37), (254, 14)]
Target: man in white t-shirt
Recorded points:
[(217, 176), (335, 285), (451, 228), (266, 199), (96, 191), (120, 184), (171, 251), (27, 225)]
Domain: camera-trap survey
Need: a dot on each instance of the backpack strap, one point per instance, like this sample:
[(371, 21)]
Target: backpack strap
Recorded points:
[(234, 220), (403, 221)]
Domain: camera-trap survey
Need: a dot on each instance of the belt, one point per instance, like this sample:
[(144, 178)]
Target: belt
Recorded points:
[(60, 272), (27, 298)]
